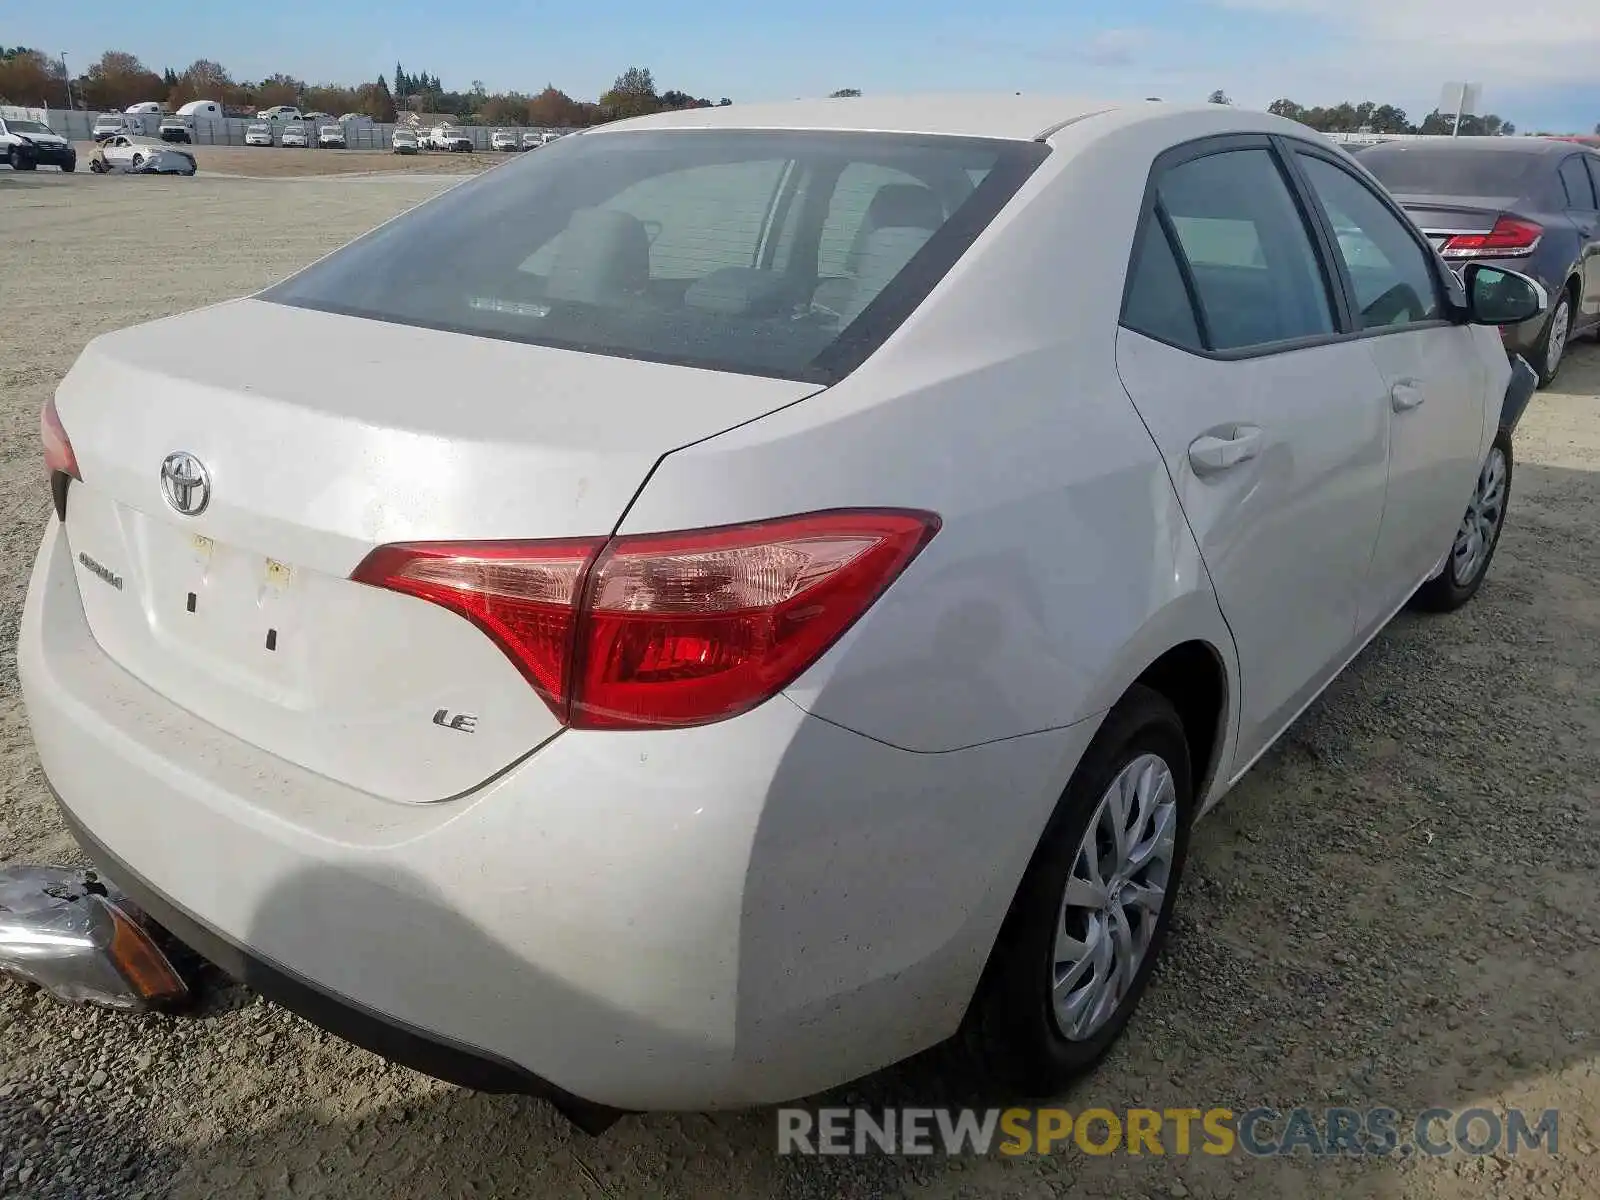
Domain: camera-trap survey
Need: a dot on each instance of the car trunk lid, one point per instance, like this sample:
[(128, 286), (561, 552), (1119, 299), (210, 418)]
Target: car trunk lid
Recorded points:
[(1441, 216), (323, 436)]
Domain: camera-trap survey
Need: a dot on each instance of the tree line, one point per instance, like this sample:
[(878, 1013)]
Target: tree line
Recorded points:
[(1346, 117), (118, 79)]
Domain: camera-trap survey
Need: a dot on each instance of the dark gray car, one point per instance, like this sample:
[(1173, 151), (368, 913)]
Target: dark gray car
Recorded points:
[(1528, 204)]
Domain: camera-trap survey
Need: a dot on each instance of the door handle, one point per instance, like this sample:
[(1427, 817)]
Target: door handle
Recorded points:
[(1405, 395), (1210, 453)]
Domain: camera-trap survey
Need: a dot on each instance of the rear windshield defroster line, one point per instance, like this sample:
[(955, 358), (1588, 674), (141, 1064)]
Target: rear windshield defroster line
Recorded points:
[(790, 254)]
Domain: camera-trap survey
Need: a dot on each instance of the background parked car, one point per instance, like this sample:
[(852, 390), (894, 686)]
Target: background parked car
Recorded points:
[(174, 129), (532, 140), (446, 137), (295, 133), (403, 141), (258, 134), (1527, 204), (109, 125), (26, 144), (331, 137), (279, 112), (503, 140)]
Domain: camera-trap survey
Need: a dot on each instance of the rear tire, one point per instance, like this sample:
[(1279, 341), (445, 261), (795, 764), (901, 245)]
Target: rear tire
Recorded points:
[(1476, 538), (1017, 1028), (69, 167)]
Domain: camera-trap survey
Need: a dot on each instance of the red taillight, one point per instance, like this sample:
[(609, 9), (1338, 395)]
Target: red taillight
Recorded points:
[(58, 455), (522, 594), (1511, 237), (665, 630)]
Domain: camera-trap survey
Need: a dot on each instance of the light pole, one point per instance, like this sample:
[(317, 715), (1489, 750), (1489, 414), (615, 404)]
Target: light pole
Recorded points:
[(66, 76)]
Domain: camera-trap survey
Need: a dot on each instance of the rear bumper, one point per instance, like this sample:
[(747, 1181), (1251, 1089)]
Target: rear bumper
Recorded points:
[(715, 917), (395, 1041)]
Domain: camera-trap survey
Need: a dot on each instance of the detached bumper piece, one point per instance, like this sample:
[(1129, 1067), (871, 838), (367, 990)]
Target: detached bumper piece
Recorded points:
[(77, 937), (1524, 382)]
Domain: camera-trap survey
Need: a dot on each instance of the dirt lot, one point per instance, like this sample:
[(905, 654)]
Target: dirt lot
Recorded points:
[(278, 162), (1396, 908)]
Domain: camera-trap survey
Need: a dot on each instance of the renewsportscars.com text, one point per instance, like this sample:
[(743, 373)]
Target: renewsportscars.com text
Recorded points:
[(1256, 1132)]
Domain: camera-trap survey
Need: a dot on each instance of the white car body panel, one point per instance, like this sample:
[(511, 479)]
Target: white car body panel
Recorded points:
[(1431, 446), (771, 904), (317, 486), (1287, 536), (129, 150), (656, 983)]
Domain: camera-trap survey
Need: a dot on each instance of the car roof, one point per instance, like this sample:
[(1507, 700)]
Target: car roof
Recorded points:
[(1017, 116)]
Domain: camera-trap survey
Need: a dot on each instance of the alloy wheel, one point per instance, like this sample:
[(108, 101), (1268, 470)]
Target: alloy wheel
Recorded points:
[(1556, 342), (1475, 538), (1114, 897)]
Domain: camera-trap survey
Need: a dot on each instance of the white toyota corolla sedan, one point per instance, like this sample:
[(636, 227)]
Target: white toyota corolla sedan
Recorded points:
[(741, 596)]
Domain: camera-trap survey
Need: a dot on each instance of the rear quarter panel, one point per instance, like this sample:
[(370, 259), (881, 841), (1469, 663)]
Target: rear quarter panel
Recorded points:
[(1064, 565)]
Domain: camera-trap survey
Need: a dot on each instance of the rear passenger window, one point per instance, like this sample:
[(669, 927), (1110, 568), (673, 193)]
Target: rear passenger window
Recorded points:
[(1580, 190), (1158, 303), (1594, 171), (1248, 250)]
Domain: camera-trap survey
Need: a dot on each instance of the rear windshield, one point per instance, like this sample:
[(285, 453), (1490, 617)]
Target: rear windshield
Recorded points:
[(783, 253), (1433, 171)]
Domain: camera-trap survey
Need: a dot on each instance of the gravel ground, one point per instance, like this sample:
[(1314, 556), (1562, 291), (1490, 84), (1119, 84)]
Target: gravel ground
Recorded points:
[(1395, 908)]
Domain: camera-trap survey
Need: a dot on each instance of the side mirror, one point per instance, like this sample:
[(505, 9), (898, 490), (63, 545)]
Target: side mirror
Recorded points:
[(1496, 296)]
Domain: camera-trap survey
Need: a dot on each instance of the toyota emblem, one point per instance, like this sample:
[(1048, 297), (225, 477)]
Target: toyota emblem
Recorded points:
[(186, 483)]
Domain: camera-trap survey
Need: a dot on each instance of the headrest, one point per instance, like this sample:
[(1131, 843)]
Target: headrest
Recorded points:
[(904, 206), (602, 256), (738, 291)]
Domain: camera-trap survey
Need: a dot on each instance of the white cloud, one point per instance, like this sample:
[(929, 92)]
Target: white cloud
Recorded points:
[(1115, 47), (1537, 44)]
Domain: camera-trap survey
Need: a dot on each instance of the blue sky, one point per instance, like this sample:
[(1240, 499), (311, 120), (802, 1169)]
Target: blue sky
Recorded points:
[(1539, 63)]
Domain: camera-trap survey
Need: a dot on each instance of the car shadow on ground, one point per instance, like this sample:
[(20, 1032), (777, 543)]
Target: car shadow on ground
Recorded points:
[(1395, 908)]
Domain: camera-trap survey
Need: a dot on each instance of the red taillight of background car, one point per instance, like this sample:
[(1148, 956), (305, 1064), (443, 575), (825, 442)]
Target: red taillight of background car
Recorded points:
[(58, 455), (1511, 237), (665, 630)]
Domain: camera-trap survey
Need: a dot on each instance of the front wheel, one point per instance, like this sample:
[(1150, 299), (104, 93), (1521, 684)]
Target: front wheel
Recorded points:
[(1088, 922), (1476, 537), (138, 160), (69, 166)]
